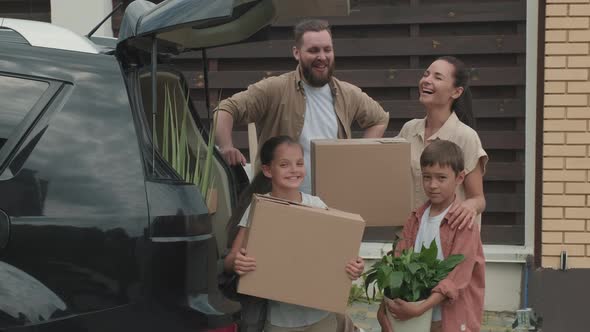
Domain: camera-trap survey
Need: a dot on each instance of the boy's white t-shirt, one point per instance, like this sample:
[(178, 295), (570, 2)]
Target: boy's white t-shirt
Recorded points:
[(430, 230), (319, 122), (286, 314)]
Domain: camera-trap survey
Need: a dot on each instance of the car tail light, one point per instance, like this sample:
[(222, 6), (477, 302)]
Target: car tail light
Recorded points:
[(231, 328)]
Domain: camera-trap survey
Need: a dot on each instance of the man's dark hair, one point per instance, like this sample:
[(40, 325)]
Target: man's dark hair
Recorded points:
[(309, 25), (443, 153)]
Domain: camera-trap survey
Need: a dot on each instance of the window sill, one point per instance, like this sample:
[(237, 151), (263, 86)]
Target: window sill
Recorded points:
[(493, 253)]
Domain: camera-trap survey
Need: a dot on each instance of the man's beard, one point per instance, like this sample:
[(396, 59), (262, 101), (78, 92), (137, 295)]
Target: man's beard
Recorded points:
[(312, 79)]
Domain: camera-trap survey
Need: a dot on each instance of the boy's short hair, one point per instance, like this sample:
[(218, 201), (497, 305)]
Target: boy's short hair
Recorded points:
[(443, 153), (309, 25)]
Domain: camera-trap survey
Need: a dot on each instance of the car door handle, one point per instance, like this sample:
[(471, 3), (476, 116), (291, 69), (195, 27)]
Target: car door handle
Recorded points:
[(4, 229)]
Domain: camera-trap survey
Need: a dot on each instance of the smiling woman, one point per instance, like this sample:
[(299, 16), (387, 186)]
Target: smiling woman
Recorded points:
[(444, 92)]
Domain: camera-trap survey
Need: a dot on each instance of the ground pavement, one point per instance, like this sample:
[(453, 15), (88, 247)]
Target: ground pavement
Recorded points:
[(365, 316)]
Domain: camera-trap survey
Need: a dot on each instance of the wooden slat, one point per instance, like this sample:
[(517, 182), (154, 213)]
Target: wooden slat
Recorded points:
[(494, 140), (496, 202), (370, 78), (504, 171), (490, 234), (502, 140), (482, 108), (447, 13), (412, 109), (363, 47), (502, 234)]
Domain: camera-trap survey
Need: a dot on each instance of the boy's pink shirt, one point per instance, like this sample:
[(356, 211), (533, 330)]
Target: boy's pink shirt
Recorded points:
[(464, 286)]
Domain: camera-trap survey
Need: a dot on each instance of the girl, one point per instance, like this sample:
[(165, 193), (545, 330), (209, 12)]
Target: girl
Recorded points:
[(282, 164), (445, 94)]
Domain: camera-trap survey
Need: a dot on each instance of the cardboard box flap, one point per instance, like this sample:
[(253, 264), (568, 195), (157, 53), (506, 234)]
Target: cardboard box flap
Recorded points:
[(279, 200), (273, 199), (336, 212), (359, 141)]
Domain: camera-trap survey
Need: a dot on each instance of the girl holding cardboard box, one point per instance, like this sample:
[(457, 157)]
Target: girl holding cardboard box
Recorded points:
[(445, 94), (282, 164)]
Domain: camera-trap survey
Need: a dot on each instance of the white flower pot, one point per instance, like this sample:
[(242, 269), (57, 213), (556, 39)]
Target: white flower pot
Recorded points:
[(417, 324)]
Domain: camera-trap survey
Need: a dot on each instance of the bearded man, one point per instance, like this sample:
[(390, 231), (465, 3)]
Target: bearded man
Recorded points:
[(306, 104)]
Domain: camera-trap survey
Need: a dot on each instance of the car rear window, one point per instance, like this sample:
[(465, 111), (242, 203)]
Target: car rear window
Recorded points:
[(18, 96)]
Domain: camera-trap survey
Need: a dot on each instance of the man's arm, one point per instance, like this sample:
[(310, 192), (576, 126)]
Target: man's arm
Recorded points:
[(243, 107), (375, 131), (223, 131), (371, 116)]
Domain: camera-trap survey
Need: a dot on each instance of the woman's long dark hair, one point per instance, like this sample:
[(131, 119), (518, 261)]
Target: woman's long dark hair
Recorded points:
[(260, 184), (462, 106)]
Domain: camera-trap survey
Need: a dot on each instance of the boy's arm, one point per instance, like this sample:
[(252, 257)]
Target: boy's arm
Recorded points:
[(468, 243)]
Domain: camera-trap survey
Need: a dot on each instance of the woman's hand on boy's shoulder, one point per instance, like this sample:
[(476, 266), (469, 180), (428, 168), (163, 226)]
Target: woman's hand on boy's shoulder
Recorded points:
[(355, 268), (244, 264), (461, 214)]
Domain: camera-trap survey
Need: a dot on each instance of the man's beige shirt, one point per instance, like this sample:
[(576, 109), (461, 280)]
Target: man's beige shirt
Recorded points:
[(277, 106), (453, 130)]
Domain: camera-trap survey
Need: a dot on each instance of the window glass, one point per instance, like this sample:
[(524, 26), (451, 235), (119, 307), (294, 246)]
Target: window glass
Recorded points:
[(17, 98)]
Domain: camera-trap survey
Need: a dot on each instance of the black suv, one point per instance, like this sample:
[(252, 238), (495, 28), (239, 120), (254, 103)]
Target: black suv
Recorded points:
[(98, 232)]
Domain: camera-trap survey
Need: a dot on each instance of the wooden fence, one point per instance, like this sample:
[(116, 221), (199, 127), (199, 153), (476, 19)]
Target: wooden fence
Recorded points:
[(383, 47)]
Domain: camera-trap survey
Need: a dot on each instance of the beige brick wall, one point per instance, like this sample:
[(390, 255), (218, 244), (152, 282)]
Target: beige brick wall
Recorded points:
[(566, 150)]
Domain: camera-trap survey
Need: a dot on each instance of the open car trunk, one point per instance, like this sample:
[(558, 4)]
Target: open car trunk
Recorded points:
[(168, 121)]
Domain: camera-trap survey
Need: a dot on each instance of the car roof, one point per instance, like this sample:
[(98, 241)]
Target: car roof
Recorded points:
[(42, 34)]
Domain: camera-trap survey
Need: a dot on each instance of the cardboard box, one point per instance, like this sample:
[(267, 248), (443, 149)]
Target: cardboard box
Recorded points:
[(311, 8), (371, 177), (301, 253)]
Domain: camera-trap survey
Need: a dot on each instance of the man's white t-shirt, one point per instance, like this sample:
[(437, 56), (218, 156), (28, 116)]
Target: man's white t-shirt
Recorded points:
[(286, 314), (430, 230), (320, 122)]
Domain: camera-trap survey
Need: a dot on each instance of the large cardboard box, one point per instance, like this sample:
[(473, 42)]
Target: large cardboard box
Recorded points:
[(301, 253), (371, 177), (311, 8)]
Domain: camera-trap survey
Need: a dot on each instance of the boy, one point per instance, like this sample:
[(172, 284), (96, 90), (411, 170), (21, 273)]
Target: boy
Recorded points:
[(457, 301)]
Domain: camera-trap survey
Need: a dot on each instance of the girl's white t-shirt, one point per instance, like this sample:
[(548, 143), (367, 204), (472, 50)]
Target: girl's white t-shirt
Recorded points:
[(286, 314), (430, 230)]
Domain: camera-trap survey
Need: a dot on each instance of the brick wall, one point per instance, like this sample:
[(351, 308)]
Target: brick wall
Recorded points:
[(566, 150)]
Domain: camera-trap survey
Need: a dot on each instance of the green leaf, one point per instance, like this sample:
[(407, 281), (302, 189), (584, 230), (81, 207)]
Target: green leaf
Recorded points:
[(209, 160), (429, 254), (413, 267), (395, 279), (165, 133), (450, 262), (415, 294)]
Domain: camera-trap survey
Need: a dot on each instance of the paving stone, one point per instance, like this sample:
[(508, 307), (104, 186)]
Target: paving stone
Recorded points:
[(364, 316)]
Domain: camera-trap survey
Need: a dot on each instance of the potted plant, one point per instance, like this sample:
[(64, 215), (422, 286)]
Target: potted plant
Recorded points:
[(184, 156), (411, 276)]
